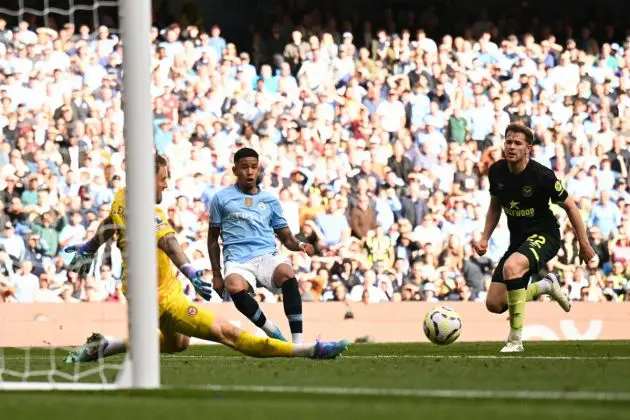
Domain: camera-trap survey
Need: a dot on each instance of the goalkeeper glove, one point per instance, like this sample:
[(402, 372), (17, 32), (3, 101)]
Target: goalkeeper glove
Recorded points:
[(203, 289), (82, 260)]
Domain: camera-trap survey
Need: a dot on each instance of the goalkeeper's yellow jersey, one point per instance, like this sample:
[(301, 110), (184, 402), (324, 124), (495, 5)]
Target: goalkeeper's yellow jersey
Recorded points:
[(167, 275)]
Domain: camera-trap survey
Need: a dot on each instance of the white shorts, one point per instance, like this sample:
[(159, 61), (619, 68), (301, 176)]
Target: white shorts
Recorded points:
[(259, 268)]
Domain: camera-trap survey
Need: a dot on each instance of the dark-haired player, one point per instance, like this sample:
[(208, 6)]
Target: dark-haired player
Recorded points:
[(524, 188), (248, 220), (179, 319)]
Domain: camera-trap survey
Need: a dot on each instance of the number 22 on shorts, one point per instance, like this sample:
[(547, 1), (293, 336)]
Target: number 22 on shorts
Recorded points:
[(536, 241)]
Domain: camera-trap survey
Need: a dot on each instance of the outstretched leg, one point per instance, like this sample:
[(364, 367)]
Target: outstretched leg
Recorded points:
[(238, 288)]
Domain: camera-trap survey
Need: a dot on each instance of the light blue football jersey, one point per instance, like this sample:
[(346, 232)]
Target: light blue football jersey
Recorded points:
[(247, 223)]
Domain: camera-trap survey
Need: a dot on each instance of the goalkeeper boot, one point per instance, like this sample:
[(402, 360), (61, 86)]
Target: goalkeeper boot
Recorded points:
[(556, 292), (514, 344), (329, 349), (90, 351)]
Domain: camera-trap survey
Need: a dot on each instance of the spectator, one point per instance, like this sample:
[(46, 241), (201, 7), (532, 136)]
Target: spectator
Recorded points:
[(26, 283), (362, 217), (392, 142)]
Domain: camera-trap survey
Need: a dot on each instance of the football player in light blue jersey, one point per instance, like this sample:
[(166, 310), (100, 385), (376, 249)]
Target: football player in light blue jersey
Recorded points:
[(248, 220)]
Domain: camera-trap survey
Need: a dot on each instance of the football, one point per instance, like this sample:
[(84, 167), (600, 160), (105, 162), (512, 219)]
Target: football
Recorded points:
[(442, 325)]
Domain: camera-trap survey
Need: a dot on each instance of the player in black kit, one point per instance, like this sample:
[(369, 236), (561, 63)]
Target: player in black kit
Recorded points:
[(523, 188)]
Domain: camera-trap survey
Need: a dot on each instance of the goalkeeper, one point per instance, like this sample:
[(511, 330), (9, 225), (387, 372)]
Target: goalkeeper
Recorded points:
[(179, 319)]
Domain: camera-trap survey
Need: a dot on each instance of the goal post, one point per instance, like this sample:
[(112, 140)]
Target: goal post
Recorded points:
[(141, 365), (138, 131)]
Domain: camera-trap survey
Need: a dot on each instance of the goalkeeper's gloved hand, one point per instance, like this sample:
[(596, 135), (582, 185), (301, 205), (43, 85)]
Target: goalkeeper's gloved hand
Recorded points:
[(82, 260), (203, 289)]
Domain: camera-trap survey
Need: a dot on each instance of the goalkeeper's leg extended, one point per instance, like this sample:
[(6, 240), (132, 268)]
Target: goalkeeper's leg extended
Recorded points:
[(177, 324)]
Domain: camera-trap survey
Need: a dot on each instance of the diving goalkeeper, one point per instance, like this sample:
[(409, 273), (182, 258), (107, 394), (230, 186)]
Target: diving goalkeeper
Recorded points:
[(179, 319)]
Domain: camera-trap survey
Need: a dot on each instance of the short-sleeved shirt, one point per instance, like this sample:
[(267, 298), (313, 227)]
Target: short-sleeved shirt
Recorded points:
[(525, 198), (248, 223), (167, 276)]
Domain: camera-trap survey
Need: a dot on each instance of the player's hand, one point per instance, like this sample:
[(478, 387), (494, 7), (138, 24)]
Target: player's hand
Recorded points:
[(481, 247), (82, 261), (203, 288), (588, 254), (218, 283), (307, 248)]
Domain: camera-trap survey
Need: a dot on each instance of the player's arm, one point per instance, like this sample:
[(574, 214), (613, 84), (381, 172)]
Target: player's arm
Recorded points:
[(292, 243), (559, 195), (105, 231), (85, 252), (492, 217), (214, 249), (586, 251), (281, 227), (170, 246)]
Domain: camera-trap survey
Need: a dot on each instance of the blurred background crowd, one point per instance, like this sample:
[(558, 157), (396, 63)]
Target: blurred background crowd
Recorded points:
[(377, 138)]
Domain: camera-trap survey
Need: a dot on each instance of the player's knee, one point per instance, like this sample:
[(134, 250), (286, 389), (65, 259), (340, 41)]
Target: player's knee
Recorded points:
[(495, 307), (515, 268), (181, 344), (282, 273), (236, 285), (177, 345)]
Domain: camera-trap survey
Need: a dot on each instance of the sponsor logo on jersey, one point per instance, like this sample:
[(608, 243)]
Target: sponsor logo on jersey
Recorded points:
[(192, 311), (520, 213), (249, 202), (512, 210), (527, 191), (262, 206)]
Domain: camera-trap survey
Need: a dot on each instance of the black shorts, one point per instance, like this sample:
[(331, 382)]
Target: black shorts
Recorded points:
[(538, 248)]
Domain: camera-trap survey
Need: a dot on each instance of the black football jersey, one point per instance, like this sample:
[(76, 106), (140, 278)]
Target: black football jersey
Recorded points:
[(525, 198)]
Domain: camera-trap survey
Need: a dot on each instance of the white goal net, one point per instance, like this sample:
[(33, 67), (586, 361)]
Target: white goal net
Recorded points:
[(61, 78)]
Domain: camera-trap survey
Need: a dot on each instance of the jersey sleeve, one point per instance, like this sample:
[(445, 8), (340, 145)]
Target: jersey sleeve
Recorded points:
[(162, 226), (555, 188), (215, 212), (277, 216)]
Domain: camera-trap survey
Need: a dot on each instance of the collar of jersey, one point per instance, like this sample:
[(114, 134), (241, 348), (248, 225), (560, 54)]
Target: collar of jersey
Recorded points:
[(239, 190)]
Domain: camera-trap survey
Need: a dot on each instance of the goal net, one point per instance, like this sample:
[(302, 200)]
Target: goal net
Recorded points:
[(46, 311)]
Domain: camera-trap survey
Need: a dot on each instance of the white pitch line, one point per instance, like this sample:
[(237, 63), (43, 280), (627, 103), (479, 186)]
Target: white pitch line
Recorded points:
[(385, 356), (426, 356), (426, 393)]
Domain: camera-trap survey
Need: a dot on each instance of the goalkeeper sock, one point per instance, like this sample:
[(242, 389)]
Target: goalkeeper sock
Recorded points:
[(114, 346), (517, 296), (254, 346), (248, 306), (292, 301)]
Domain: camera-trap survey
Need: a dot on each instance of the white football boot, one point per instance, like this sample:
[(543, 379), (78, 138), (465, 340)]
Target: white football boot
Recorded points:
[(556, 292), (514, 344)]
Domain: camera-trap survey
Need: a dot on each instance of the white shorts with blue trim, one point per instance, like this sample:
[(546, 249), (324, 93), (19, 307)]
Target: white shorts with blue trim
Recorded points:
[(259, 269)]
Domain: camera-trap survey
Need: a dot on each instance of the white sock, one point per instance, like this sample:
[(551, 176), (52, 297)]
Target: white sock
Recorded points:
[(114, 346), (304, 350), (515, 335), (297, 338), (269, 328), (547, 283)]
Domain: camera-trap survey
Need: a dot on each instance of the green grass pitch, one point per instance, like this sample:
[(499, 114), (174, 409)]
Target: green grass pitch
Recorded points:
[(555, 380)]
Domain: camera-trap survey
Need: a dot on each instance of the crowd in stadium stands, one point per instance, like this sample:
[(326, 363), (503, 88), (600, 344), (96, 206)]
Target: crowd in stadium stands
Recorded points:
[(377, 147)]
